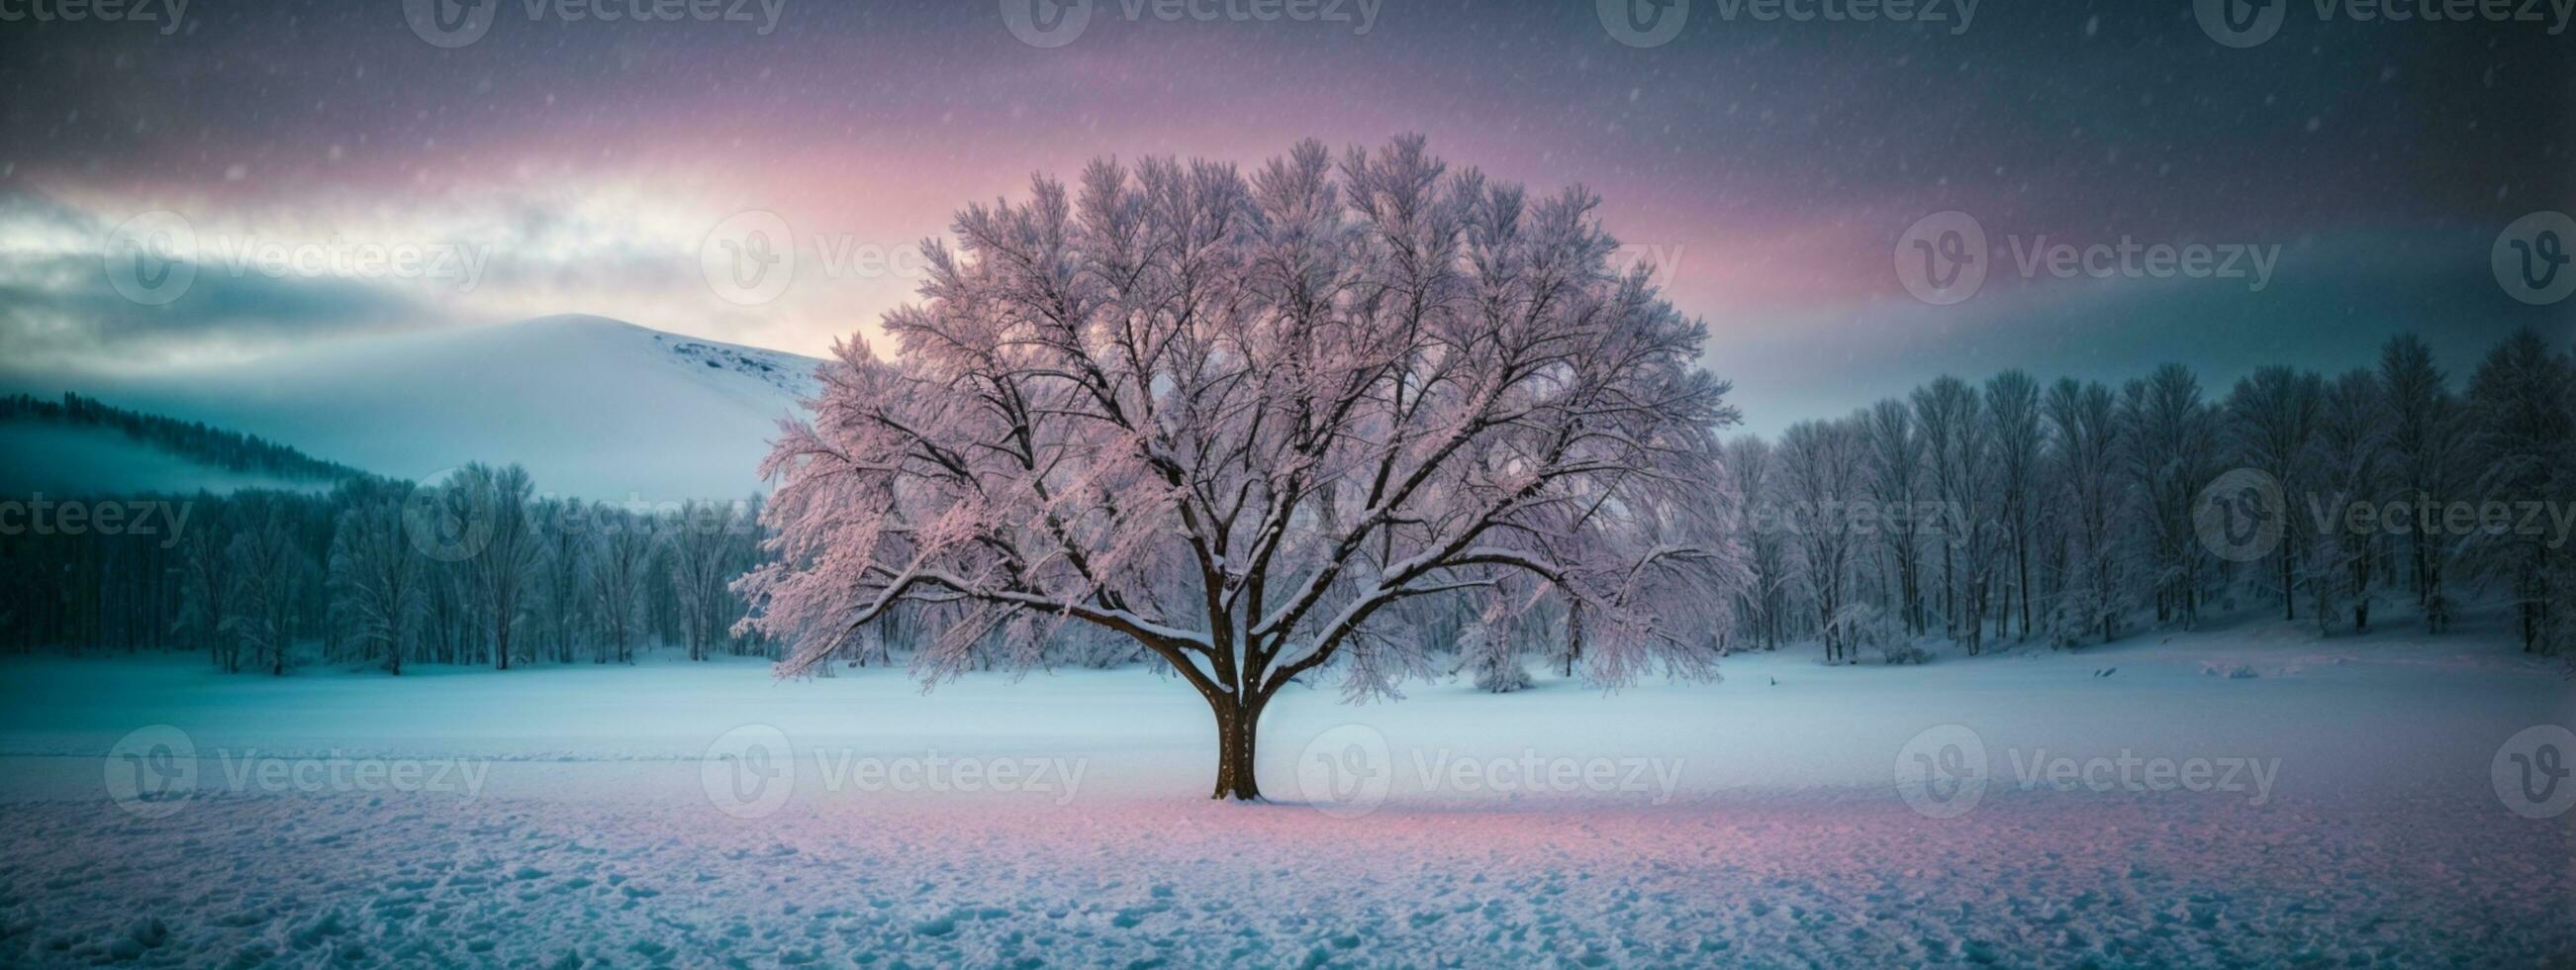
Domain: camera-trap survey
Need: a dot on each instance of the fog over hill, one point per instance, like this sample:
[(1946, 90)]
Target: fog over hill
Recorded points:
[(594, 407)]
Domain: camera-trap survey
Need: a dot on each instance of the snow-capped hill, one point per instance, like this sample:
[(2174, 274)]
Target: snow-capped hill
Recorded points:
[(792, 373), (594, 407)]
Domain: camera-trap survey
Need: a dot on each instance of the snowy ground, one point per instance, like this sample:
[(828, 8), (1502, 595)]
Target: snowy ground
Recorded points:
[(2340, 806)]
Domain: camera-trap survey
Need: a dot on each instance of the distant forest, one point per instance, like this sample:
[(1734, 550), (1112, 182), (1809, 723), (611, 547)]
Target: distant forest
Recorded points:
[(195, 440), (2063, 513)]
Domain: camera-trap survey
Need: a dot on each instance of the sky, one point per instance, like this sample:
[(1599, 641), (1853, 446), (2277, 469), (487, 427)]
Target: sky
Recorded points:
[(340, 169)]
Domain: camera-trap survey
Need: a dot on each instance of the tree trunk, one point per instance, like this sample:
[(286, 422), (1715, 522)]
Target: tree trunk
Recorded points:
[(1237, 728)]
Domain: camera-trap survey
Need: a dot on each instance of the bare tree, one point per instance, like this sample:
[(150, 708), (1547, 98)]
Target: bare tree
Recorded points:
[(2518, 406), (1753, 478), (2425, 451), (1895, 482), (2012, 404), (622, 554), (503, 571), (701, 560), (1821, 474), (1936, 412), (1236, 419), (2347, 463), (2086, 460), (2272, 418), (375, 576), (2168, 432), (206, 587), (268, 572)]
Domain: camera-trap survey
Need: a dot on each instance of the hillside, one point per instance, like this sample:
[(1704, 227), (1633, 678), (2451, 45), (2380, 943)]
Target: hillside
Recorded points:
[(596, 408)]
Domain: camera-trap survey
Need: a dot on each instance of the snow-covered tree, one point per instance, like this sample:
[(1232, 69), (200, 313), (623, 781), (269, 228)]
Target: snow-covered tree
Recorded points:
[(376, 576), (268, 573), (2170, 453), (503, 572), (206, 586), (2012, 404), (563, 530), (1821, 476), (1235, 418), (2271, 418), (1763, 605), (2346, 464), (1895, 483), (701, 558), (2425, 452), (2518, 405), (623, 551), (2086, 435)]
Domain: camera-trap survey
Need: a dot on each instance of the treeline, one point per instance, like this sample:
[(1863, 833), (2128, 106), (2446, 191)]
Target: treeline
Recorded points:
[(207, 445), (2075, 512), (2013, 510), (477, 569)]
